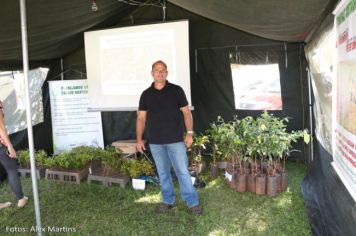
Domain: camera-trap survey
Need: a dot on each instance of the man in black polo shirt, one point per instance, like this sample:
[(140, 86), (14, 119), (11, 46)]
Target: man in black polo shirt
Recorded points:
[(162, 105)]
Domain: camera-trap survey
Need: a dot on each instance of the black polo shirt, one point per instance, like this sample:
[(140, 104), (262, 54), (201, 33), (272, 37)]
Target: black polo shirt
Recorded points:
[(164, 118)]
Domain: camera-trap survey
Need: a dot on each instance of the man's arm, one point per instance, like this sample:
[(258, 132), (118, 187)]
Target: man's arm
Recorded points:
[(188, 122), (140, 128)]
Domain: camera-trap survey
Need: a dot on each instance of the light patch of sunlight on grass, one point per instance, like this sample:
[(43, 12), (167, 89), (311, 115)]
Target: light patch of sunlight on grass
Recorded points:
[(260, 225), (152, 198), (255, 221), (216, 232), (212, 184), (285, 202)]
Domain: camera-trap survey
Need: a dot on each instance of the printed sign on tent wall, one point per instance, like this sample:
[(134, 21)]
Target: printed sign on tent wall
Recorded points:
[(72, 124), (345, 117)]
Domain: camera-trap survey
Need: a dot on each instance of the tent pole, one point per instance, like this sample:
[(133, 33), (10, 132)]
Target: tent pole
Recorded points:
[(311, 158), (28, 116)]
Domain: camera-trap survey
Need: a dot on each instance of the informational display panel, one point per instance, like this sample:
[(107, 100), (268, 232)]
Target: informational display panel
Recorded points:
[(72, 124), (119, 62), (345, 119)]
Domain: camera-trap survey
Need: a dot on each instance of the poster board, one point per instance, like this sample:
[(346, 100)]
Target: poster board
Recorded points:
[(72, 124), (344, 141)]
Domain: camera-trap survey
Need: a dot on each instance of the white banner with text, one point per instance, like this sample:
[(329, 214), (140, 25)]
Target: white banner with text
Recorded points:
[(345, 117), (72, 124)]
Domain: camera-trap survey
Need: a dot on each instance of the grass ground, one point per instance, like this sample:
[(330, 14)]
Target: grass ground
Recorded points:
[(98, 210)]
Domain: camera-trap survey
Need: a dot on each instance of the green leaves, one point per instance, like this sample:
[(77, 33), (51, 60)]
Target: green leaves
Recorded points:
[(77, 158), (135, 168), (23, 157), (109, 159), (198, 145), (265, 136)]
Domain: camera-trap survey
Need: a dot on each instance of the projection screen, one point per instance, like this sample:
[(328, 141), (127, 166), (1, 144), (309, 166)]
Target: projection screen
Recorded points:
[(118, 62)]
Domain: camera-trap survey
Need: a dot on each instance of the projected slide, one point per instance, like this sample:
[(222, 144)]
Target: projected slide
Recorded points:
[(122, 54), (119, 62)]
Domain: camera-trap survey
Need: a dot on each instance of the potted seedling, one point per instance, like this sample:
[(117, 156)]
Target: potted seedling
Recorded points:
[(196, 153), (214, 140), (229, 140), (277, 143), (240, 152), (220, 149)]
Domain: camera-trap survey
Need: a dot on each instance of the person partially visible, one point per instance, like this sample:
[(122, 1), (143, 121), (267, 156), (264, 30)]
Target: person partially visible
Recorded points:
[(9, 162), (163, 105)]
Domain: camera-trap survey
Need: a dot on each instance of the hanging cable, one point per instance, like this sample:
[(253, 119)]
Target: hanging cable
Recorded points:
[(285, 54), (164, 10), (236, 55), (196, 61), (241, 46), (160, 3), (141, 4)]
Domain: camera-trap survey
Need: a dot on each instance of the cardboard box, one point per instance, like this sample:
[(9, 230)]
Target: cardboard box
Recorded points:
[(125, 146)]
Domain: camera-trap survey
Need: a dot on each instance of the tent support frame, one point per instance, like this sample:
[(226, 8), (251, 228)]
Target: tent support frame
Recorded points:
[(28, 116)]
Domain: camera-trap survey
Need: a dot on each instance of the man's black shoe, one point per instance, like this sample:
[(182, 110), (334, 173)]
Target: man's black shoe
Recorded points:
[(196, 210), (163, 208)]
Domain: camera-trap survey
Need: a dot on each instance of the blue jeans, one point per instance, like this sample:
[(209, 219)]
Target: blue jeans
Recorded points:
[(175, 153)]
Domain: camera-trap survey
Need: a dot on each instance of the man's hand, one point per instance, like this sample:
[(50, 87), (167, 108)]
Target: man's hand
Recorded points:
[(188, 122), (11, 152), (188, 140), (140, 127), (140, 146)]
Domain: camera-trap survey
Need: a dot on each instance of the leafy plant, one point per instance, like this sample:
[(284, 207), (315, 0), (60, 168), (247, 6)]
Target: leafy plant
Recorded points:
[(41, 157), (286, 147), (23, 157), (215, 139), (146, 167), (198, 145), (273, 139), (110, 160), (265, 137), (77, 158), (220, 133), (135, 168)]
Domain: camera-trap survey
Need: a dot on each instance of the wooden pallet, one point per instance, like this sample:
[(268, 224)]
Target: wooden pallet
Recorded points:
[(74, 177), (26, 173), (115, 178)]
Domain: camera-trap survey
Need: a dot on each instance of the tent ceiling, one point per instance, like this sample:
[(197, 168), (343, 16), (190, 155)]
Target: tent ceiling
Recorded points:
[(284, 20), (55, 28)]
